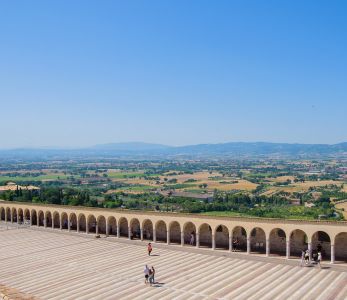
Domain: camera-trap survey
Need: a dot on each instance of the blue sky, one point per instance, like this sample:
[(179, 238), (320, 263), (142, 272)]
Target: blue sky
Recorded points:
[(78, 73)]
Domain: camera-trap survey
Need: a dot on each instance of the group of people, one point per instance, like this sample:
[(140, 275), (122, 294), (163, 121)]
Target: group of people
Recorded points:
[(316, 257), (149, 275), (236, 244)]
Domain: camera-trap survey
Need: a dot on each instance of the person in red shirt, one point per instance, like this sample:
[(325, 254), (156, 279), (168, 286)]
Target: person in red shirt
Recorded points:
[(149, 248)]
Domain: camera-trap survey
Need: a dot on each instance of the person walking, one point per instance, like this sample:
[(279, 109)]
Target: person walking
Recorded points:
[(146, 272), (149, 248), (153, 273), (319, 259), (191, 239), (302, 262), (307, 257)]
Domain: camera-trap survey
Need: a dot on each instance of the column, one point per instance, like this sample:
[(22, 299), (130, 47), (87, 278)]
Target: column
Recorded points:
[(182, 238), (11, 216), (230, 241), (68, 225), (44, 222), (267, 247), (96, 228), (309, 247), (141, 233), (6, 215), (213, 242), (61, 225), (248, 245), (154, 235), (287, 249), (31, 221), (332, 254), (197, 240), (118, 232), (168, 237), (107, 228), (129, 233), (87, 227), (78, 226)]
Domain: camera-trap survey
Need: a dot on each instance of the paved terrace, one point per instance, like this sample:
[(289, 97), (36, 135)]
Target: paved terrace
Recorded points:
[(51, 264)]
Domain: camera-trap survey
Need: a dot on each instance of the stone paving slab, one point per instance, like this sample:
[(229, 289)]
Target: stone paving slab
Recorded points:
[(49, 264)]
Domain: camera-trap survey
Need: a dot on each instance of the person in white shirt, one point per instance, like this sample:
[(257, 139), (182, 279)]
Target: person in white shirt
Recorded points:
[(146, 272)]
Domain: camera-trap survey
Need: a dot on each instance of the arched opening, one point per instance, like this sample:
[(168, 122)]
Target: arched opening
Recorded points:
[(2, 213), (41, 218), (135, 232), (175, 233), (48, 219), (56, 220), (91, 223), (277, 241), (8, 214), (64, 221), (222, 237), (73, 222), (82, 224), (147, 230), (112, 226), (14, 214), (239, 242), (341, 247), (20, 215), (298, 242), (27, 216), (101, 225), (33, 217), (205, 235), (123, 227), (258, 240), (161, 231), (189, 234), (321, 243)]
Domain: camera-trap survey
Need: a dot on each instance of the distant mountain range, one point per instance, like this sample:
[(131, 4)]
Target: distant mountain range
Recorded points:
[(140, 149)]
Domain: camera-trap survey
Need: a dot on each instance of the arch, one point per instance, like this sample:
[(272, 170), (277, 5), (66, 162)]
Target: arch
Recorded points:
[(161, 231), (112, 226), (123, 227), (340, 244), (135, 229), (189, 233), (91, 224), (147, 227), (205, 235), (20, 215), (298, 242), (27, 216), (56, 220), (33, 217), (258, 240), (277, 240), (175, 232), (41, 218), (2, 214), (321, 242), (239, 241), (48, 219), (101, 225), (8, 214), (64, 221), (73, 221), (221, 237), (82, 223), (14, 215)]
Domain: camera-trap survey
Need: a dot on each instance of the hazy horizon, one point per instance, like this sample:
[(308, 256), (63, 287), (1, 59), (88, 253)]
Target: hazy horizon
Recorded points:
[(81, 73)]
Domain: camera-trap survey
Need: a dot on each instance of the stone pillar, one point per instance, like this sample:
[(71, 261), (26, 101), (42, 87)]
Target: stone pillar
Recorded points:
[(309, 247), (141, 233), (6, 215), (68, 225), (332, 254), (213, 242), (96, 228), (61, 225), (107, 228), (230, 241), (118, 232), (267, 247), (31, 221), (154, 236), (78, 226), (129, 233), (11, 216), (168, 237), (182, 238), (248, 245), (287, 249), (44, 222), (197, 240)]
